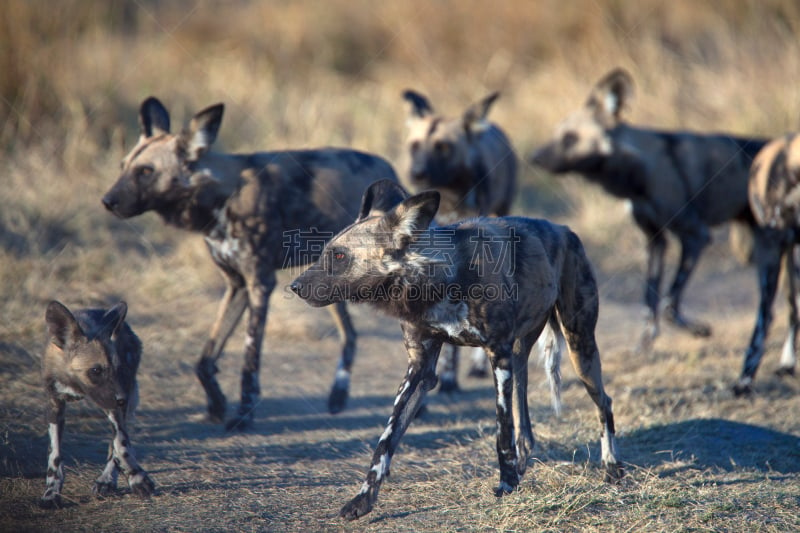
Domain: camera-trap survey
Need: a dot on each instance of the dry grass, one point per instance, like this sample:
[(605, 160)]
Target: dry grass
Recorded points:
[(313, 73)]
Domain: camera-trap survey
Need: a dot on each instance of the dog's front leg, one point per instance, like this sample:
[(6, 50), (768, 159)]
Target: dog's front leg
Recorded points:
[(140, 483), (230, 311), (258, 292), (419, 379), (55, 471)]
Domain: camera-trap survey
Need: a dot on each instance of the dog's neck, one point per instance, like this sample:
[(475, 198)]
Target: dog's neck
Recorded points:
[(418, 279), (622, 173), (213, 179)]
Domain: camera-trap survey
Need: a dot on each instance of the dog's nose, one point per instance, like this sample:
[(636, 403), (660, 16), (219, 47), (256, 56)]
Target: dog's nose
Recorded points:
[(110, 203), (121, 401)]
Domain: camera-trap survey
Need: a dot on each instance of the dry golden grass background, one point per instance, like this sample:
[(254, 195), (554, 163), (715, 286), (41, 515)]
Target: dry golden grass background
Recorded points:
[(303, 74)]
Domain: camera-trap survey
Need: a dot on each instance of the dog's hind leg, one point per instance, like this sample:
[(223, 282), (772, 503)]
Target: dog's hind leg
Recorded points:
[(341, 381), (578, 306), (789, 353), (692, 244), (448, 368), (768, 254), (656, 247)]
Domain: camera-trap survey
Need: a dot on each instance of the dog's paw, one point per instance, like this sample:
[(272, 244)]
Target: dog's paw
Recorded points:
[(51, 500), (613, 472), (742, 389), (141, 485), (357, 507), (503, 488), (101, 489), (337, 400), (240, 423)]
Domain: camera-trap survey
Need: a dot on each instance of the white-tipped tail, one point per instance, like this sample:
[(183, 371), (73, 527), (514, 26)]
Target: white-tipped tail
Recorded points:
[(550, 346)]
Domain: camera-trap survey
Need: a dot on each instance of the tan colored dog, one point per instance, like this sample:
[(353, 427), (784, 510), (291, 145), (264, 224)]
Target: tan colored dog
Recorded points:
[(92, 354), (259, 212)]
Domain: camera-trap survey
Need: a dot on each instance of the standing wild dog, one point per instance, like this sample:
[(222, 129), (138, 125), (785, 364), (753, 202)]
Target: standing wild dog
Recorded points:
[(92, 353), (472, 164), (494, 283), (259, 212), (774, 194), (680, 182), (468, 159)]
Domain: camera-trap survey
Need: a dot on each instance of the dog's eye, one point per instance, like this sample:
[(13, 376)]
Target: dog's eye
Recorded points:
[(569, 140), (415, 147), (443, 148), (95, 371), (144, 172), (339, 256)]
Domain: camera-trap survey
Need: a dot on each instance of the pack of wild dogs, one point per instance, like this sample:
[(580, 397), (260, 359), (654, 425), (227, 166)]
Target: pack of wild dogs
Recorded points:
[(446, 259)]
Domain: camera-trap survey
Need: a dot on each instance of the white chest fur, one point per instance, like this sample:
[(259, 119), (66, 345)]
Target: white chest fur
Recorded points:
[(66, 392), (225, 249), (452, 318)]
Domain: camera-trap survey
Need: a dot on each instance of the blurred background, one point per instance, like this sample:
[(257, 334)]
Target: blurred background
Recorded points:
[(311, 73)]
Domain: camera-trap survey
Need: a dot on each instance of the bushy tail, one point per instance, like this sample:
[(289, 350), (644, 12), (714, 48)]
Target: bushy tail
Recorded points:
[(550, 346)]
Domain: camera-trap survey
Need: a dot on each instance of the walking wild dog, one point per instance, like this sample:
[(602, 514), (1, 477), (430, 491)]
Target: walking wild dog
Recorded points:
[(494, 283), (680, 182), (259, 212), (92, 353), (472, 164), (775, 200)]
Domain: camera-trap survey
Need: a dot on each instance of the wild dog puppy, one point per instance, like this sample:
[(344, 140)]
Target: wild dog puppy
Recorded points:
[(774, 194), (494, 283), (678, 182), (92, 353), (472, 164), (259, 212)]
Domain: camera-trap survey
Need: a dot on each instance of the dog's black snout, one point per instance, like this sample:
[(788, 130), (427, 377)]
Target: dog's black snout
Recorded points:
[(295, 287), (121, 402), (110, 203)]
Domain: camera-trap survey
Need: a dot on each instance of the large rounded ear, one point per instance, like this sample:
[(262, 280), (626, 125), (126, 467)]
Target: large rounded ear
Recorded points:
[(381, 197), (417, 105), (413, 216), (611, 95), (202, 131), (113, 319), (474, 117), (153, 117), (61, 325)]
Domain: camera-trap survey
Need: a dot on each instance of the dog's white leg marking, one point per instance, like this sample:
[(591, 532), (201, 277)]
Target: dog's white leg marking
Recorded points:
[(501, 378), (420, 378), (55, 469)]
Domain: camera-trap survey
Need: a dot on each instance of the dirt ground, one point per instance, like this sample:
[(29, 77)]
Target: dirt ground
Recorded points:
[(695, 456)]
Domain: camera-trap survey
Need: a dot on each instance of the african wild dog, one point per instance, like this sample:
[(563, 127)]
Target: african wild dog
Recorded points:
[(679, 182), (259, 212), (92, 353), (775, 200), (495, 283), (468, 159), (472, 164)]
